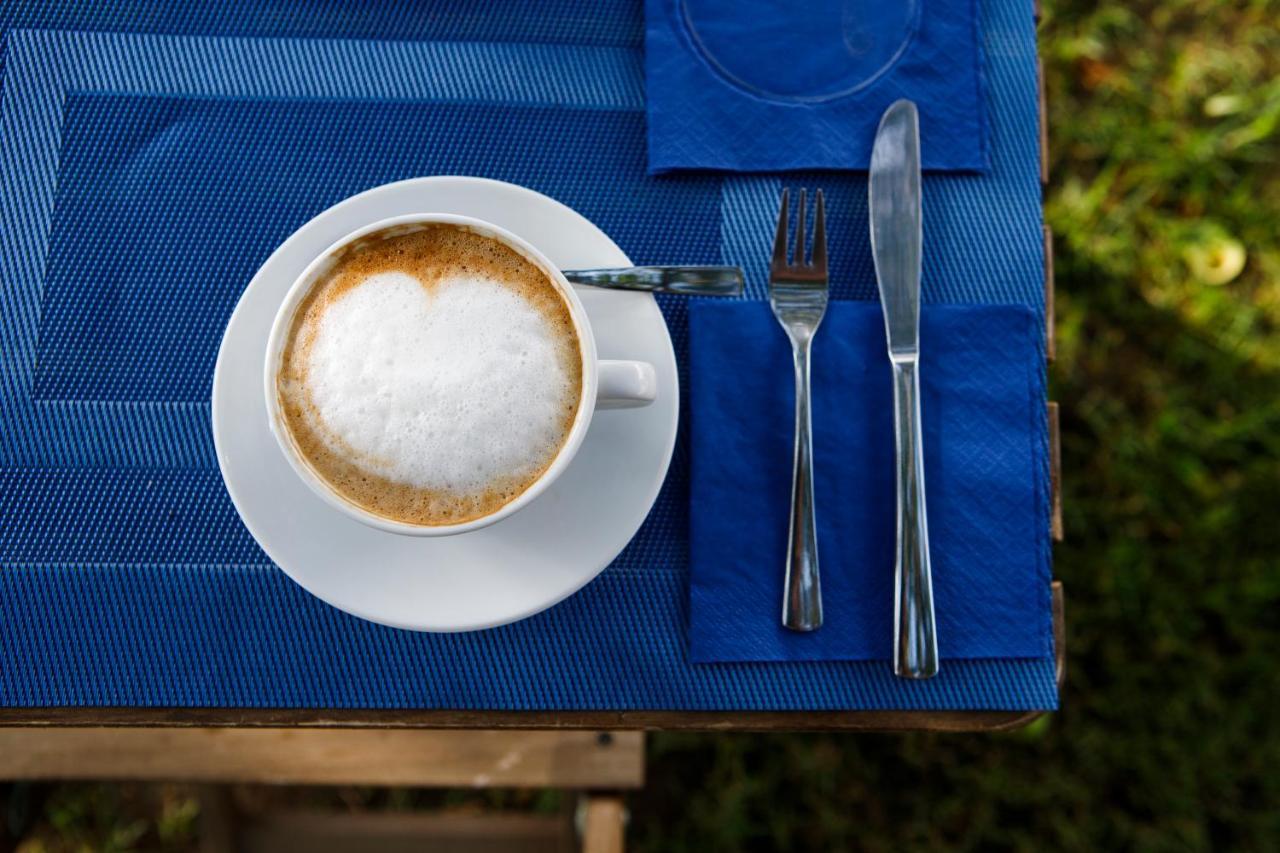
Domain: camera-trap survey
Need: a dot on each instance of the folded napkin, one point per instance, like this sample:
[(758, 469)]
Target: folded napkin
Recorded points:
[(773, 85), (986, 474)]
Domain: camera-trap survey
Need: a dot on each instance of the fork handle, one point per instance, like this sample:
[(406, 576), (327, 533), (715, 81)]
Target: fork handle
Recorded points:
[(915, 642), (802, 597)]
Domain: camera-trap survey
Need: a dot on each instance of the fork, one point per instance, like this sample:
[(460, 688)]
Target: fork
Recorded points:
[(798, 296)]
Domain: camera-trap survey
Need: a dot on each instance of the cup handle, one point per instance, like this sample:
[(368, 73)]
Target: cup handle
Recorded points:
[(626, 384)]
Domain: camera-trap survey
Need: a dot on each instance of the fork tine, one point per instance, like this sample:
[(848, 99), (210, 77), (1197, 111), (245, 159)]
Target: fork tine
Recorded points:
[(801, 236), (780, 239), (820, 236)]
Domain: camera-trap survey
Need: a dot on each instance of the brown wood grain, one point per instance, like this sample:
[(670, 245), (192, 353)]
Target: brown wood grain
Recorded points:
[(1055, 474), (1060, 633), (746, 721), (316, 756), (602, 826), (1050, 319)]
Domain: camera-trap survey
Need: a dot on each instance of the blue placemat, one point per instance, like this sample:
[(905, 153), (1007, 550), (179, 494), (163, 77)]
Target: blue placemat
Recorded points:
[(770, 85), (982, 406), (151, 159)]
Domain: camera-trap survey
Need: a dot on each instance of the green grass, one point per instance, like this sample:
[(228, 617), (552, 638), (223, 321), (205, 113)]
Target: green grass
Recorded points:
[(1165, 200)]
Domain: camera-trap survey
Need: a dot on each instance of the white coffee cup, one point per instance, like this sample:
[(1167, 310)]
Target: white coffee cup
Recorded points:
[(605, 384)]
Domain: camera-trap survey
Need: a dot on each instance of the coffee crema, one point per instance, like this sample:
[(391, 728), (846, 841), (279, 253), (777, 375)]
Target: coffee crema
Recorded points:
[(431, 377)]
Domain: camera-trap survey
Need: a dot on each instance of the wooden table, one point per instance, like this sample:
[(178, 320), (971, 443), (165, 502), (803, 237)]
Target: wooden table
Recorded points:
[(950, 721), (426, 747)]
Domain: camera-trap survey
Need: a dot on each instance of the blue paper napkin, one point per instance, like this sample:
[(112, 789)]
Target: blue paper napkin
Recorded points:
[(986, 478), (773, 85)]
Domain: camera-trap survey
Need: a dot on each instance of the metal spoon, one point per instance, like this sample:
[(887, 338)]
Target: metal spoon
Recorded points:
[(689, 281)]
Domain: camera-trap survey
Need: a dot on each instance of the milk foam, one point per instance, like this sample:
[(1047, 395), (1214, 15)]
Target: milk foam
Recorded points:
[(430, 376), (457, 388)]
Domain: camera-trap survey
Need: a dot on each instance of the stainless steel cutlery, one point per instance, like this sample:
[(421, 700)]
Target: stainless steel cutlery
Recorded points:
[(798, 296), (689, 281), (895, 245)]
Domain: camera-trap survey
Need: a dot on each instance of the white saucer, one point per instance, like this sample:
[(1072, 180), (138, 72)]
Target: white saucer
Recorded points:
[(488, 577)]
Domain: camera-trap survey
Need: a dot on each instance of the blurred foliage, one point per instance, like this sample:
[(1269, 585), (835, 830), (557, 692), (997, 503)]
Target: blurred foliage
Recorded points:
[(106, 818), (1165, 203)]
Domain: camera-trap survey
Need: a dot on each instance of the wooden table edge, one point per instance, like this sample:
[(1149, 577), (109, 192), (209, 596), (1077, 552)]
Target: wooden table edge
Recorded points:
[(709, 721), (737, 721), (649, 720)]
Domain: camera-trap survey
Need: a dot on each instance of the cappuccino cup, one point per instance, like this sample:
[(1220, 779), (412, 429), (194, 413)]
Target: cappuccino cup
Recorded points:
[(432, 374)]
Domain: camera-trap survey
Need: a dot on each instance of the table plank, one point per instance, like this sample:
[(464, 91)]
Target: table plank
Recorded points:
[(415, 757), (1050, 319), (552, 720), (602, 825), (1055, 474)]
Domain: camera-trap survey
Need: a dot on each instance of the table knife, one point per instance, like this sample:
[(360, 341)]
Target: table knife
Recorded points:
[(896, 248)]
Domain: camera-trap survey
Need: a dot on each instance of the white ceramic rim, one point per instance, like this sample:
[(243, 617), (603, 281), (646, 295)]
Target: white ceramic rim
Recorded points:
[(302, 286), (233, 380)]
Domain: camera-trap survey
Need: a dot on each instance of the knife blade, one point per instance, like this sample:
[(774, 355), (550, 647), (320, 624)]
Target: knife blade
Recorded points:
[(894, 191), (895, 224)]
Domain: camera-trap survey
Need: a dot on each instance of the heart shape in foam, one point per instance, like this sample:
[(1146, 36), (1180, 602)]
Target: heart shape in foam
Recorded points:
[(452, 386)]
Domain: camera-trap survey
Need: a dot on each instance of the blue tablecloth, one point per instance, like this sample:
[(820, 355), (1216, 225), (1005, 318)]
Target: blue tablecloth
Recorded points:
[(151, 157)]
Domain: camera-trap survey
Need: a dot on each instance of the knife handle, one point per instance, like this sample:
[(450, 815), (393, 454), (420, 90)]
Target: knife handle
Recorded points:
[(915, 642), (688, 281)]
